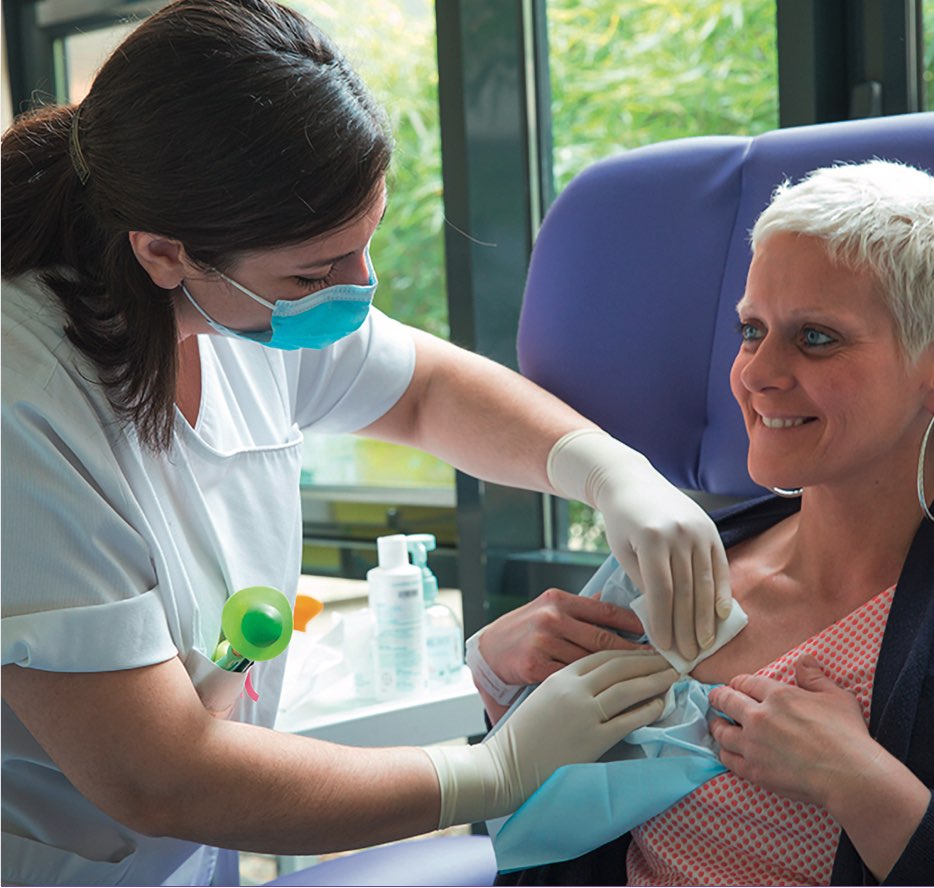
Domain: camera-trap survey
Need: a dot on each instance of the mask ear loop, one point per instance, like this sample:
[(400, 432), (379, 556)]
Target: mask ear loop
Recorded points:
[(922, 499), (271, 306)]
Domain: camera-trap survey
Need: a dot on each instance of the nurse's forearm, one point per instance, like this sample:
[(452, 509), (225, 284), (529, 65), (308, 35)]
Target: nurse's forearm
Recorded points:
[(140, 745), (285, 794), (479, 416)]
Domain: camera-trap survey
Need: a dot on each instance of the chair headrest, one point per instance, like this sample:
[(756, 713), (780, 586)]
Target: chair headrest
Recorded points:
[(629, 308)]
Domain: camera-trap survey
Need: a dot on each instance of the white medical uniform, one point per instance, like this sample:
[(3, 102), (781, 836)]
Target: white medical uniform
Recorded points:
[(116, 558)]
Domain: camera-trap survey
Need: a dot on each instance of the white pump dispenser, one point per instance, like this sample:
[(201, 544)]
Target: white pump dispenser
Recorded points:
[(444, 637), (397, 603)]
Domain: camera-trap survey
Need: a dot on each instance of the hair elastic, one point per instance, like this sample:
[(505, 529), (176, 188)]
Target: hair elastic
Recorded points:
[(74, 150)]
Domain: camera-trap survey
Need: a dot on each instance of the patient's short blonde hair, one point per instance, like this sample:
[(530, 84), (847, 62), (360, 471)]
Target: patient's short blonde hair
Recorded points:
[(877, 215)]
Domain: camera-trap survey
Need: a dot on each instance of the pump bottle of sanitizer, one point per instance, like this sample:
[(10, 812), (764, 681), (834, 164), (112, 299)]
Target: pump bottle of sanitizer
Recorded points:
[(444, 638), (397, 603)]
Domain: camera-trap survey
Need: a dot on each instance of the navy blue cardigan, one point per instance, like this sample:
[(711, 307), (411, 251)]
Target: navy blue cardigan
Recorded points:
[(901, 718)]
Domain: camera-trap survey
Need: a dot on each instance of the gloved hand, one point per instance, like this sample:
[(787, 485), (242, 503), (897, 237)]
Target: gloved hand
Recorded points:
[(574, 716), (665, 542), (529, 643)]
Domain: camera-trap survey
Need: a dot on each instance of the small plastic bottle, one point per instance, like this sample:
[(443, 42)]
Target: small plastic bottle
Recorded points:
[(444, 637), (359, 652), (397, 603)]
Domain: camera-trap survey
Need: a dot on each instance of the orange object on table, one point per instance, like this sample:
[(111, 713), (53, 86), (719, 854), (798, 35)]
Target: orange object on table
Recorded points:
[(306, 609)]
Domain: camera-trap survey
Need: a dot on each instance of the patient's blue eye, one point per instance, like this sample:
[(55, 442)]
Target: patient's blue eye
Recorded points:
[(748, 332), (812, 337)]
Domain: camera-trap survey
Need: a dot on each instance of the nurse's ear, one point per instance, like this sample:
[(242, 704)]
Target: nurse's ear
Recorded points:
[(162, 258)]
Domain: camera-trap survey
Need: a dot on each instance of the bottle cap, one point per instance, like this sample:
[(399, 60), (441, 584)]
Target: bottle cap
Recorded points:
[(392, 550)]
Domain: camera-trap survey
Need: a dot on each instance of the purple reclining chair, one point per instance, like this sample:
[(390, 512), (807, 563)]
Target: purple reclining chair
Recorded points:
[(629, 311), (629, 316)]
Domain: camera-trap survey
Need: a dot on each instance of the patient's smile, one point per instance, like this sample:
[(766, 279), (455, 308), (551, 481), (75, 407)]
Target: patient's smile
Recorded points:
[(779, 422)]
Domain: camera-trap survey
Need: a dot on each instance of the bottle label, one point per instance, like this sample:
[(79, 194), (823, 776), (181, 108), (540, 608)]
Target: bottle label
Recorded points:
[(400, 643)]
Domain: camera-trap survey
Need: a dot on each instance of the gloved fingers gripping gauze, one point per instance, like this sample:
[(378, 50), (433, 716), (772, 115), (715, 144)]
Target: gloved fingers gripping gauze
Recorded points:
[(561, 722), (686, 637), (705, 596), (617, 699), (664, 541)]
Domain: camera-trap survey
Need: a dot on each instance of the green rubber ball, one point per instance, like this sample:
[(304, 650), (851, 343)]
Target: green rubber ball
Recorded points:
[(257, 621)]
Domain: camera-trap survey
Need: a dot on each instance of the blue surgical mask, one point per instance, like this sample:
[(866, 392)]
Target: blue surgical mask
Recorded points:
[(313, 321)]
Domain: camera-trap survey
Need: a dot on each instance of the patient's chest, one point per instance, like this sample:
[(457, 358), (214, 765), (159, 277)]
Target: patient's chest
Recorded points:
[(782, 614), (771, 632), (730, 831)]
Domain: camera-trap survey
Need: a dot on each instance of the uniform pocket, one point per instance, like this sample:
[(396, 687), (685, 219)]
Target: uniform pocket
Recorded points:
[(219, 689)]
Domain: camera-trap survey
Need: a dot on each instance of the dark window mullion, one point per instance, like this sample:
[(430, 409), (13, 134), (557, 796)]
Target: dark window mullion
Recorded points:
[(488, 194)]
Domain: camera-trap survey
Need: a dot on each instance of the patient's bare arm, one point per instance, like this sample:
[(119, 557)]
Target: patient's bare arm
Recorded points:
[(530, 643)]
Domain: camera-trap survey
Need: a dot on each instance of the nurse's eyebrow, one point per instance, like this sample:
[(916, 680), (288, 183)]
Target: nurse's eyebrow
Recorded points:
[(318, 263)]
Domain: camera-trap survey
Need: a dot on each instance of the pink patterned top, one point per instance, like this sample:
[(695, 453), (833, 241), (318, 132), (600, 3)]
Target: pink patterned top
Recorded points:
[(730, 831)]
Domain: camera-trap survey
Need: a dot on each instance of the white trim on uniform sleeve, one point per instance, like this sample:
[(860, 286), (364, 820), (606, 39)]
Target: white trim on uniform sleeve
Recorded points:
[(124, 634)]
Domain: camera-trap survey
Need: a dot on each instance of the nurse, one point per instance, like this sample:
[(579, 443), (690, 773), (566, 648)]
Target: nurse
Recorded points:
[(187, 287)]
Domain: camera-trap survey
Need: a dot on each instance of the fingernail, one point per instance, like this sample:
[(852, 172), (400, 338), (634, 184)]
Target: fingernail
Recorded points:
[(724, 608), (708, 642)]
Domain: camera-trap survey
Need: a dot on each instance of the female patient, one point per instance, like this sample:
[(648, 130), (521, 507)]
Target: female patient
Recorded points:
[(831, 685)]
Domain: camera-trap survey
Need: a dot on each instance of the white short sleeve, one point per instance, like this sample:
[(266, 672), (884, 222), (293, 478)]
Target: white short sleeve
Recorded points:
[(352, 383), (79, 587)]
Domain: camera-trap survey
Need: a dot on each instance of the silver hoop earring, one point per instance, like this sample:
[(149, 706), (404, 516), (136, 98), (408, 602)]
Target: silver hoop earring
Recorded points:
[(787, 492), (922, 499)]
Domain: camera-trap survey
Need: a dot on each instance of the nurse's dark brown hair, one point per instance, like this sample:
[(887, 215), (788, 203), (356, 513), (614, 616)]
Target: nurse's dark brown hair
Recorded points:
[(229, 125)]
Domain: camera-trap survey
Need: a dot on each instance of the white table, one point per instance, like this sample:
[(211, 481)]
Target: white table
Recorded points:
[(443, 713)]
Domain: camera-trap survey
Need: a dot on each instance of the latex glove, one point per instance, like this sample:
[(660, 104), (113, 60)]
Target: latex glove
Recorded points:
[(574, 716), (665, 542)]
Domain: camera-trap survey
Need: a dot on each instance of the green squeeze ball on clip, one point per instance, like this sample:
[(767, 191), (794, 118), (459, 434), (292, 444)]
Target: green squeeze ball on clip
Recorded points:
[(257, 621)]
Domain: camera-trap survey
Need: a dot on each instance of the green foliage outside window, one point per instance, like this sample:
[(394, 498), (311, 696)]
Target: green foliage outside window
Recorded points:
[(625, 74), (928, 73)]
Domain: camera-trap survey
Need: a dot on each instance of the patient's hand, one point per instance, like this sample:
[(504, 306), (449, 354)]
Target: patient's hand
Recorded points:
[(530, 643), (799, 742)]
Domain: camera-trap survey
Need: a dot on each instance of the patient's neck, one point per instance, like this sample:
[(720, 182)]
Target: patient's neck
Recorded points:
[(810, 570), (851, 545)]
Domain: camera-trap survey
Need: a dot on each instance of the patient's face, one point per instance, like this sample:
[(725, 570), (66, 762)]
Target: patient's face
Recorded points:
[(826, 394)]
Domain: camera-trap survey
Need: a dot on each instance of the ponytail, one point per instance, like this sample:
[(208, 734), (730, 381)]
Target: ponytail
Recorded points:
[(43, 208), (49, 227)]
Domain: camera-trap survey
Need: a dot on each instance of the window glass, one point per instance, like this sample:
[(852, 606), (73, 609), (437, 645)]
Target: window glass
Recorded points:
[(626, 73), (408, 248), (6, 99), (85, 52), (928, 75)]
